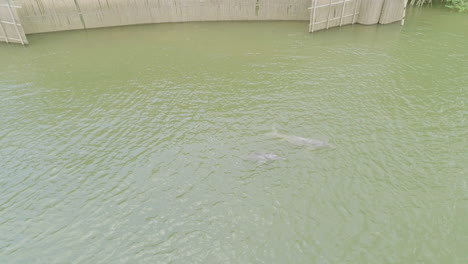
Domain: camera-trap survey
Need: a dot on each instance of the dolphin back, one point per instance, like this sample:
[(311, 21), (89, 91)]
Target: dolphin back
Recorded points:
[(299, 141)]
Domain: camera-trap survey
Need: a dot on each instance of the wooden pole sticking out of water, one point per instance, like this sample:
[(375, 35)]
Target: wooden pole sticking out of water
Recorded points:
[(313, 15), (405, 3), (342, 12), (329, 13)]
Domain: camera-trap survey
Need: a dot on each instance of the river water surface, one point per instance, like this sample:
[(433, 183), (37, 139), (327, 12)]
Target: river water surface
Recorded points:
[(132, 144)]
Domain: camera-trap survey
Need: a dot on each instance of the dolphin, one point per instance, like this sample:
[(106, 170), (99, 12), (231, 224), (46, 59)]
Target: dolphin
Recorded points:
[(300, 141), (264, 157)]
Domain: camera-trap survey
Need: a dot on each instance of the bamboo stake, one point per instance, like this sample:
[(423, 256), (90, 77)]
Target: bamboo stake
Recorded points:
[(342, 12), (313, 20), (329, 13), (405, 2)]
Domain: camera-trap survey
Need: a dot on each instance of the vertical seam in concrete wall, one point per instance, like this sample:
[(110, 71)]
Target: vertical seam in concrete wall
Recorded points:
[(79, 12), (257, 7), (149, 10)]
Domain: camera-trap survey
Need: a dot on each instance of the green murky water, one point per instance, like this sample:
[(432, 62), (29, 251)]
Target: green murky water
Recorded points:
[(131, 145)]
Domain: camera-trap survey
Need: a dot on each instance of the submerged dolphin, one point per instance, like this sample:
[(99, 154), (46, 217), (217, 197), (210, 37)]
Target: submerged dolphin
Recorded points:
[(264, 157), (300, 141)]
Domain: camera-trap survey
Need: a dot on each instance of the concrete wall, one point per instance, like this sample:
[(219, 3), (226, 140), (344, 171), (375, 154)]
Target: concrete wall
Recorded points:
[(370, 11), (57, 15), (392, 11), (381, 11)]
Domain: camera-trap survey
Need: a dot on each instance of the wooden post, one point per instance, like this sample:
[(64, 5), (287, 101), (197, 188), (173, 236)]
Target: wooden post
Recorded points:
[(405, 2), (342, 12), (313, 15), (329, 13)]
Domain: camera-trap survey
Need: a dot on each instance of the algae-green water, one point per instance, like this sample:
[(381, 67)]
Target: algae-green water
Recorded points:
[(132, 144)]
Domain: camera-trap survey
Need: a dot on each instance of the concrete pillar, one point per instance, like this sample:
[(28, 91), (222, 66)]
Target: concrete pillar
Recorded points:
[(392, 11), (370, 11)]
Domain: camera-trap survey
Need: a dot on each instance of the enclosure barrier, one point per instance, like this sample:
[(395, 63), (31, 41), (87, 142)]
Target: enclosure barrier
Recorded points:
[(35, 16), (331, 13)]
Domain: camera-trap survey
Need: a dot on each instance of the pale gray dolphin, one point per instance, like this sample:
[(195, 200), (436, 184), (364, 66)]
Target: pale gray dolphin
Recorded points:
[(300, 141), (264, 157)]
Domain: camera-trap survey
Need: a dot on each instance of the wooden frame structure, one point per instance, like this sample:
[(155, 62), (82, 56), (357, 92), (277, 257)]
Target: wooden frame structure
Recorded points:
[(315, 8), (11, 21)]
